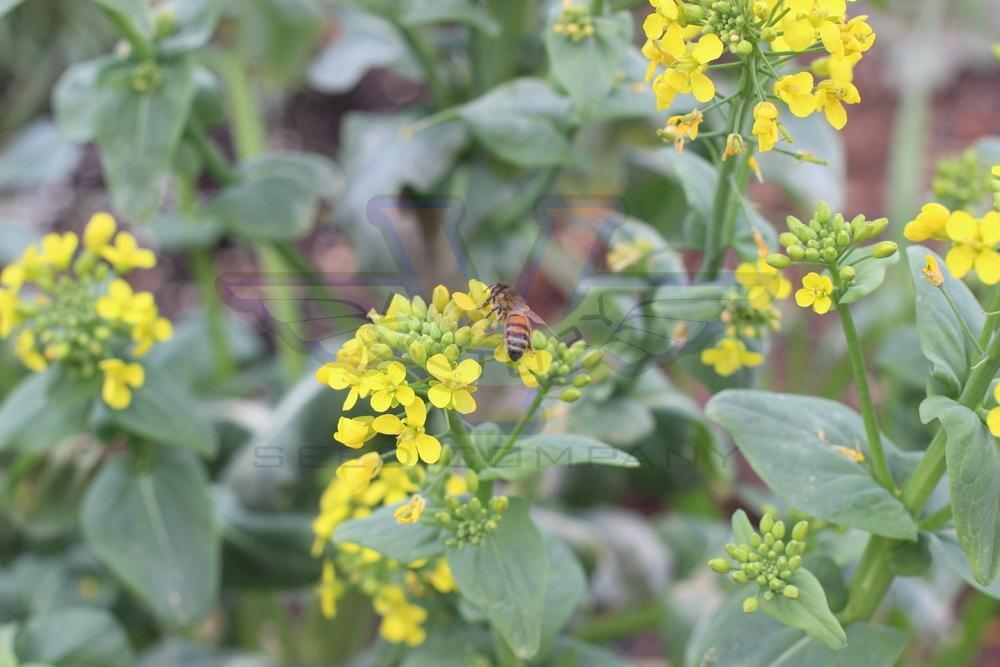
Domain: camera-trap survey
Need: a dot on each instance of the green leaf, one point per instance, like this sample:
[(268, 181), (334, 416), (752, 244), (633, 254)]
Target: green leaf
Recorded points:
[(870, 273), (76, 99), (736, 639), (149, 518), (507, 576), (809, 183), (77, 637), (973, 481), (830, 577), (37, 155), (45, 408), (401, 542), (573, 651), (790, 443), (364, 42), (543, 451), (519, 121), (277, 197), (911, 559), (942, 338), (165, 414), (135, 12), (945, 549), (622, 422), (586, 68), (743, 530), (429, 12), (567, 585), (196, 21), (809, 612), (137, 133), (7, 6)]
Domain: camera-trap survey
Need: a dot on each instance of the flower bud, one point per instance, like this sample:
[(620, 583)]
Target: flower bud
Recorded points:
[(440, 298), (692, 12), (823, 213), (796, 253), (463, 336), (843, 239), (739, 577), (778, 529), (418, 306), (794, 562), (812, 255), (790, 591), (766, 523), (593, 358), (877, 227), (932, 272), (786, 239), (884, 249), (570, 395), (800, 531), (778, 261), (720, 565), (582, 380), (848, 274), (750, 605), (499, 503), (743, 48), (829, 254), (452, 352)]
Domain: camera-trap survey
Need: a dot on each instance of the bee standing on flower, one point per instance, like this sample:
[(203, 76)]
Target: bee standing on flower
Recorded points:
[(517, 317)]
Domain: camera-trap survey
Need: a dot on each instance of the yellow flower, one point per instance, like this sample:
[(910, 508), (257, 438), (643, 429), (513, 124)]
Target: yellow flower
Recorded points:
[(456, 486), (389, 387), (413, 443), (831, 96), (58, 249), (687, 73), (8, 311), (126, 255), (734, 146), (453, 386), (440, 577), (682, 128), (808, 19), (329, 590), (335, 508), (391, 487), (973, 243), (764, 283), (149, 330), (354, 431), (628, 253), (929, 224), (729, 356), (932, 272), (411, 511), (121, 303), (532, 365), (993, 416), (473, 300), (846, 45), (796, 90), (26, 350), (119, 380), (358, 473), (13, 277), (401, 621), (340, 375), (765, 125), (815, 292), (98, 232)]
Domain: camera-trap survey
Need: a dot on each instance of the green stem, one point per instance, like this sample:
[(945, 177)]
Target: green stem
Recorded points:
[(962, 322), (937, 520), (504, 655), (881, 468), (142, 46), (511, 440), (425, 58), (204, 274), (215, 161), (626, 623), (460, 436), (992, 318)]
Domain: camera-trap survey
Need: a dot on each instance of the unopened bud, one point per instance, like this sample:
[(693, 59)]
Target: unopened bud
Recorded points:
[(778, 261), (812, 255), (823, 213), (884, 249), (440, 298), (790, 591), (570, 395), (720, 565), (796, 253), (593, 358), (750, 605), (800, 531), (743, 48), (847, 274), (499, 503), (766, 523)]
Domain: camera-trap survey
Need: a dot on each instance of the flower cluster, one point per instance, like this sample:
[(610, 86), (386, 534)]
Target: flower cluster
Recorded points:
[(408, 367), (830, 241), (768, 561), (961, 182), (973, 238), (685, 38), (70, 305), (574, 22), (748, 313)]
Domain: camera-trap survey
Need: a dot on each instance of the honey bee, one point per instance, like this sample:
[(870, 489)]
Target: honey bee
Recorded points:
[(517, 317)]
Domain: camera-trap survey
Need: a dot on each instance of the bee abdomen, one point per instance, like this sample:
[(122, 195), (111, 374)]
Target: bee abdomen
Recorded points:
[(516, 335)]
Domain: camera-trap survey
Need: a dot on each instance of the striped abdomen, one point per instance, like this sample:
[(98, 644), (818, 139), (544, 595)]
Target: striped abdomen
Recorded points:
[(516, 333)]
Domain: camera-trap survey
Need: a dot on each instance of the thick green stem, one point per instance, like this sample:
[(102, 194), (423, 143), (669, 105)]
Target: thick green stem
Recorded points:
[(511, 440), (881, 468), (460, 436)]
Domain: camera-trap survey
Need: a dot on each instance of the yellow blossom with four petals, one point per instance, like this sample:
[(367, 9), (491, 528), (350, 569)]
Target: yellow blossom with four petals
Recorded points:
[(413, 443), (452, 387), (816, 292)]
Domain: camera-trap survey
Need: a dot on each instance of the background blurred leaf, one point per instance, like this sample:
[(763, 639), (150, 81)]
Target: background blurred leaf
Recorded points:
[(401, 542), (8, 6), (82, 637), (45, 408), (136, 12), (75, 99), (587, 68), (195, 21), (428, 12), (38, 155), (363, 43), (789, 441), (809, 183), (544, 450), (151, 522), (870, 273)]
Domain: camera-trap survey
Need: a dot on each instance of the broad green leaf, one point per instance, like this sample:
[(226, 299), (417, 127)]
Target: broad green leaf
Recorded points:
[(7, 634), (573, 651), (138, 132), (401, 542), (621, 422), (76, 99), (173, 652), (165, 414), (519, 121), (7, 6), (911, 559), (45, 408), (942, 338), (791, 443), (262, 549), (830, 577), (737, 639), (743, 530), (945, 549), (196, 21), (870, 273), (78, 637), (543, 451), (37, 155), (149, 518), (363, 43), (34, 585), (135, 12), (587, 68), (567, 585), (809, 612), (973, 481), (507, 576), (429, 12), (277, 197)]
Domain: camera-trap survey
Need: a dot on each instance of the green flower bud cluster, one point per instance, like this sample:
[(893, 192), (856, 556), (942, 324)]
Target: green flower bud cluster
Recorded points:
[(769, 560), (417, 330), (570, 364), (961, 182), (366, 570), (827, 238), (574, 22), (742, 319), (472, 521), (146, 77), (733, 21)]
